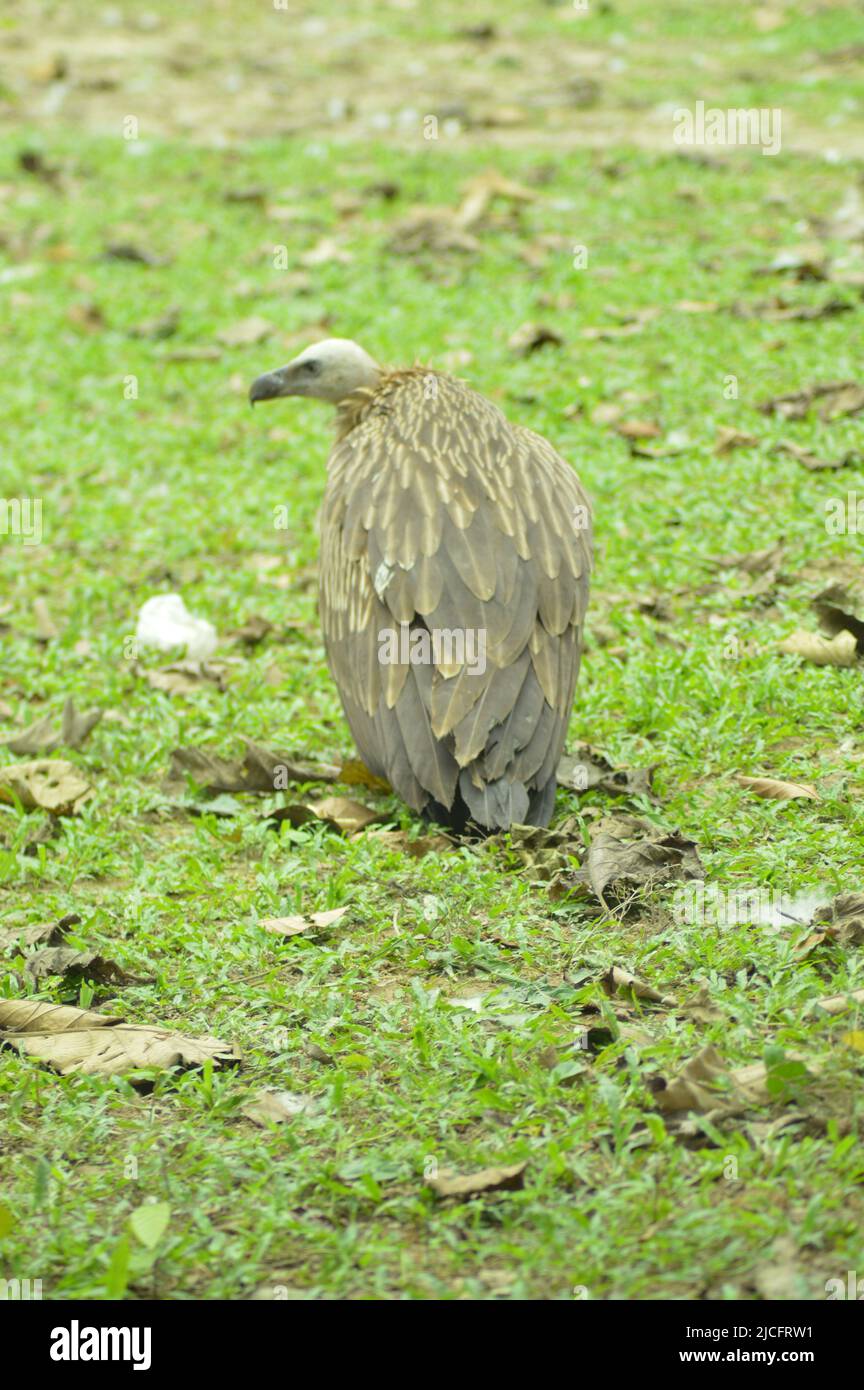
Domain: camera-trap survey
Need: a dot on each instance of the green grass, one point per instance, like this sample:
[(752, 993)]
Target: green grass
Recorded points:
[(176, 490)]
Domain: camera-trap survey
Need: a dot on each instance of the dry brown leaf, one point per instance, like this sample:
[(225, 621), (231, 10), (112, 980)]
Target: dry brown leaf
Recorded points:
[(621, 863), (839, 1003), (136, 255), (617, 981), (41, 736), (38, 934), (586, 769), (262, 770), (430, 229), (193, 353), (89, 965), (781, 310), (356, 774), (507, 1179), (246, 332), (841, 923), (480, 193), (729, 438), (806, 262), (346, 815), (838, 609), (46, 628), (276, 1107), (841, 650), (838, 398), (46, 784), (293, 926), (851, 459), (326, 252), (86, 315), (79, 1040), (697, 306), (775, 790), (185, 677), (531, 336), (164, 326), (706, 1083), (638, 429), (700, 1006), (252, 631)]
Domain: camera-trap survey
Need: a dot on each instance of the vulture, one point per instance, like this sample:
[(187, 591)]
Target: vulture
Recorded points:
[(453, 581)]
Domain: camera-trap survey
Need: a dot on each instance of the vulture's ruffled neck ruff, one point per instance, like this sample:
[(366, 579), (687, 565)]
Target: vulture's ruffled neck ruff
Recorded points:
[(362, 402)]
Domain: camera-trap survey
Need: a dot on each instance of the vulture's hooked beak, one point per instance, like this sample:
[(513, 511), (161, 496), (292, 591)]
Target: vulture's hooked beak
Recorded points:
[(271, 385)]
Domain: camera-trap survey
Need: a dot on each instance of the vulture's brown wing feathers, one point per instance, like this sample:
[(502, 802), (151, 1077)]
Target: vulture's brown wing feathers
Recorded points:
[(441, 515)]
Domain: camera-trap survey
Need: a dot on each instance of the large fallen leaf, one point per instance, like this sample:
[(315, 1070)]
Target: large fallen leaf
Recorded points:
[(42, 737), (775, 790), (47, 784), (814, 463), (586, 768), (621, 864), (841, 923), (38, 934), (79, 1040), (781, 310), (841, 650), (839, 608), (85, 965), (507, 1179), (293, 926), (840, 1003), (261, 770), (837, 397), (807, 262), (546, 854), (706, 1083)]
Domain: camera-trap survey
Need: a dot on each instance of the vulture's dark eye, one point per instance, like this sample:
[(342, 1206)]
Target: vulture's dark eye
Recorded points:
[(313, 368)]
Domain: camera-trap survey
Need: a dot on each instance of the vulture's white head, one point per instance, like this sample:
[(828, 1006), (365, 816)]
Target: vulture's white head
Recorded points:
[(328, 371)]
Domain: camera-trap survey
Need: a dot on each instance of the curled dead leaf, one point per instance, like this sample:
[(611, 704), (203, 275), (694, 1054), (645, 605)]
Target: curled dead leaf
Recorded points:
[(81, 1041), (293, 926), (775, 790), (841, 650), (510, 1178), (46, 784), (261, 770)]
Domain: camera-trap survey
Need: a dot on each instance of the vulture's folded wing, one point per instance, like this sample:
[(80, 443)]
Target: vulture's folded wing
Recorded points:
[(441, 516)]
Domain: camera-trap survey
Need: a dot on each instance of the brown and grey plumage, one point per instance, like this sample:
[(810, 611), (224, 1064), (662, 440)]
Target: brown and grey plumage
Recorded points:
[(441, 516)]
